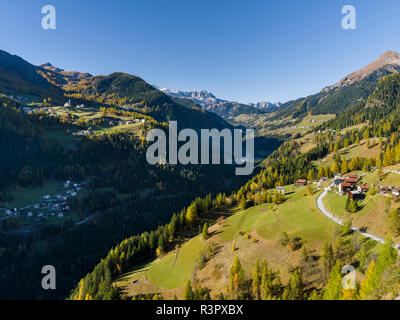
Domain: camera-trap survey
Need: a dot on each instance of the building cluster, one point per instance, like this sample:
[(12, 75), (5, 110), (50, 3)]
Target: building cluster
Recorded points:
[(350, 186), (389, 191), (122, 122), (29, 110), (80, 132), (49, 206)]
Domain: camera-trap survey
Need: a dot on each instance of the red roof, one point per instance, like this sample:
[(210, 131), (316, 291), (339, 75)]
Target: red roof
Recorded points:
[(345, 184), (353, 176), (302, 180), (349, 180)]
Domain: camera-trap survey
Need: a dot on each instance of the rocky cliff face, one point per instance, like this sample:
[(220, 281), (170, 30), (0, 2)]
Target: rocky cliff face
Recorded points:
[(389, 60)]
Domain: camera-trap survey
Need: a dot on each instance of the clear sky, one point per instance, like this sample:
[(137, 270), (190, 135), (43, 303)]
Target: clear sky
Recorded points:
[(246, 51)]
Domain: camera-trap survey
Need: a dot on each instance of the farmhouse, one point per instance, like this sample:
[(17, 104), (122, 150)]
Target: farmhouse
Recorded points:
[(353, 176), (280, 190), (355, 195), (338, 180), (301, 182), (352, 181), (385, 190), (344, 187), (363, 188), (396, 191)]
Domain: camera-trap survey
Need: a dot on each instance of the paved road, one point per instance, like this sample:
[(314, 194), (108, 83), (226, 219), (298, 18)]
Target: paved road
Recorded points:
[(322, 208)]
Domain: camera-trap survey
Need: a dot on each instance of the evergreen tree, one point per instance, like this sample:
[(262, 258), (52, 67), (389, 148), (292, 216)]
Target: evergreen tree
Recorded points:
[(333, 289), (256, 281), (188, 294)]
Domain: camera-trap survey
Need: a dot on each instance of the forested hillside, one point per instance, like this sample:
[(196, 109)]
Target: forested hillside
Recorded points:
[(378, 123), (336, 100)]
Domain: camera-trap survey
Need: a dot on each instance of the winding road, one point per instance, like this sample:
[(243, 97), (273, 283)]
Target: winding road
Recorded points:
[(322, 208)]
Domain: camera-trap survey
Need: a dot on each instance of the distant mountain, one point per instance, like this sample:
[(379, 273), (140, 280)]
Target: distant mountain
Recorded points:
[(224, 108), (203, 98), (265, 105), (18, 76), (350, 90)]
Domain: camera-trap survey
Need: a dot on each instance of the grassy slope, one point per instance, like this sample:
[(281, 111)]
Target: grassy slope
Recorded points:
[(352, 151), (264, 224), (376, 209), (28, 196), (92, 114)]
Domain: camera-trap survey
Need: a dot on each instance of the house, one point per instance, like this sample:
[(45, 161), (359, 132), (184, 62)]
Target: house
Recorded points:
[(60, 215), (68, 104), (344, 187), (363, 188), (396, 192), (353, 176), (280, 190), (338, 180), (355, 195), (352, 181), (385, 189), (301, 182), (30, 214)]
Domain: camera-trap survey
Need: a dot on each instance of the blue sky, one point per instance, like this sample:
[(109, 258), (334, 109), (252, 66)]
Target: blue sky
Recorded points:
[(245, 51)]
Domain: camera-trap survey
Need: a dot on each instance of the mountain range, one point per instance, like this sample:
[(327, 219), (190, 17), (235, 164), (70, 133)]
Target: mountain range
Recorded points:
[(224, 108), (19, 77), (192, 108), (352, 89)]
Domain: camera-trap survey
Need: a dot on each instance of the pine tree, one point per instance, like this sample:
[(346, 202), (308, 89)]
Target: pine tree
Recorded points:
[(327, 257), (205, 234), (188, 294), (191, 216), (311, 175), (333, 289), (344, 167), (256, 281), (236, 279), (367, 287), (295, 288)]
